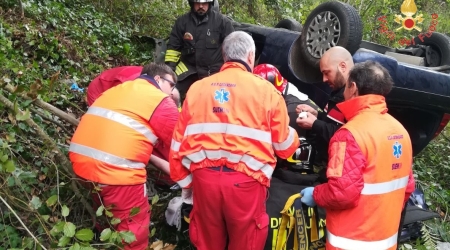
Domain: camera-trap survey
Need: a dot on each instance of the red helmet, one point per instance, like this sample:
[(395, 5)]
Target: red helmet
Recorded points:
[(271, 74)]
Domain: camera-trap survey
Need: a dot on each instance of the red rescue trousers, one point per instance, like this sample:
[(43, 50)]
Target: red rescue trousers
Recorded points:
[(124, 199), (229, 210)]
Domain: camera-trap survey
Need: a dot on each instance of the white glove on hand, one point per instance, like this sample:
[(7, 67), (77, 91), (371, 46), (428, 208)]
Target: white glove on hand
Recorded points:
[(186, 196)]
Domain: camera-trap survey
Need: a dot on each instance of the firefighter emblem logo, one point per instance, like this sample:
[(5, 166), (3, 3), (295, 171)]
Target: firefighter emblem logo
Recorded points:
[(409, 9)]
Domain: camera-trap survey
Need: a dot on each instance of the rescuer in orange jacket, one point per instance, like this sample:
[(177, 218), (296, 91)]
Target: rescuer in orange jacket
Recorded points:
[(115, 138), (118, 75), (115, 76), (369, 169), (223, 150)]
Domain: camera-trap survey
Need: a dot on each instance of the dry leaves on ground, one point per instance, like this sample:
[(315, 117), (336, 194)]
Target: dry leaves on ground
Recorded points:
[(159, 245)]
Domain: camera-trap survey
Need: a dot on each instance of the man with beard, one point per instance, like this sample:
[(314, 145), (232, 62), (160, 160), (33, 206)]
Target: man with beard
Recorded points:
[(335, 66), (194, 48)]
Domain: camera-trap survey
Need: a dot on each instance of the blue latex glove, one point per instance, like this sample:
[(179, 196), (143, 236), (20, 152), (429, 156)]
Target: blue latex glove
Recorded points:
[(307, 196), (75, 87)]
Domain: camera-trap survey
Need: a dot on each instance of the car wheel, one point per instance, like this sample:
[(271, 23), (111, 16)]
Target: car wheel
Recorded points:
[(330, 24), (289, 24), (438, 53)]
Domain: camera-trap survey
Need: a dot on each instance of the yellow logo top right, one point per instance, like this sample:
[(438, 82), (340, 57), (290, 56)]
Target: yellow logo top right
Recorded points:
[(408, 21), (409, 9)]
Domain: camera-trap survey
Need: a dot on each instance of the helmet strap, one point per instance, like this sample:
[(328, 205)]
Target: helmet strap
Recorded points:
[(285, 91)]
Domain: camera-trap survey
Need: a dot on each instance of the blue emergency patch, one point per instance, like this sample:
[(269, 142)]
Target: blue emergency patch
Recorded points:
[(222, 95), (397, 149)]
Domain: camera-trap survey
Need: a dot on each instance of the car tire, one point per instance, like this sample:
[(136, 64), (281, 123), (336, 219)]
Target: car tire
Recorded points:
[(330, 24), (289, 24), (439, 53)]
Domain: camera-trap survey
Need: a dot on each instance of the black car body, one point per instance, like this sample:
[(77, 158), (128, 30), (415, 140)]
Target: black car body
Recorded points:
[(420, 99)]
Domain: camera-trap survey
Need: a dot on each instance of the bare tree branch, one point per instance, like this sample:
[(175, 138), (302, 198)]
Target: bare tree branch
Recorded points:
[(54, 110), (22, 13), (60, 157), (23, 224)]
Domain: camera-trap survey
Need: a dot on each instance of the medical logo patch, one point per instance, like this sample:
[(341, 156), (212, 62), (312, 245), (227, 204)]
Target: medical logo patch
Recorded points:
[(222, 95), (397, 149)]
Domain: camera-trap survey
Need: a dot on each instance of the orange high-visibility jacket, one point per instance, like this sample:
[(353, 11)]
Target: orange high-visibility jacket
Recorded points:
[(369, 177), (115, 138), (235, 119)]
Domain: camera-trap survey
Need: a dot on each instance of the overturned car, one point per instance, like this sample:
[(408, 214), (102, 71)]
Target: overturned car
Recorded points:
[(422, 86), (420, 99)]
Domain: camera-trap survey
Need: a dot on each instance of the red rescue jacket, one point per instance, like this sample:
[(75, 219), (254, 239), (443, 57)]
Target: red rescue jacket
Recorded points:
[(110, 78)]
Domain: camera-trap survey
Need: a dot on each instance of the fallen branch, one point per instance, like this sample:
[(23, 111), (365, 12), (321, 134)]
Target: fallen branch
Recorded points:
[(41, 133), (22, 13), (23, 224), (62, 159), (43, 116), (56, 111)]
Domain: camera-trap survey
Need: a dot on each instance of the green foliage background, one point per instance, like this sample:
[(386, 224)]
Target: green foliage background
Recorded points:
[(46, 45)]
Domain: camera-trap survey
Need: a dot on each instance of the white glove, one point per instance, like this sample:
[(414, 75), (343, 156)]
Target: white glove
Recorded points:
[(173, 212), (186, 196)]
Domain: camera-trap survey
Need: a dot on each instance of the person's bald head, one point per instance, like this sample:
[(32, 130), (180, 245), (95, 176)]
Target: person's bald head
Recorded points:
[(335, 66)]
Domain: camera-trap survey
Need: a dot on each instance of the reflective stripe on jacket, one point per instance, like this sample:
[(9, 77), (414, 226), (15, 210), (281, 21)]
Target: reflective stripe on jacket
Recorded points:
[(232, 118), (114, 141), (369, 172)]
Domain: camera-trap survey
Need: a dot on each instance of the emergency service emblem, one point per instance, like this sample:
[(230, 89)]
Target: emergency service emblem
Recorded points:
[(397, 149), (222, 95), (409, 22), (188, 36)]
